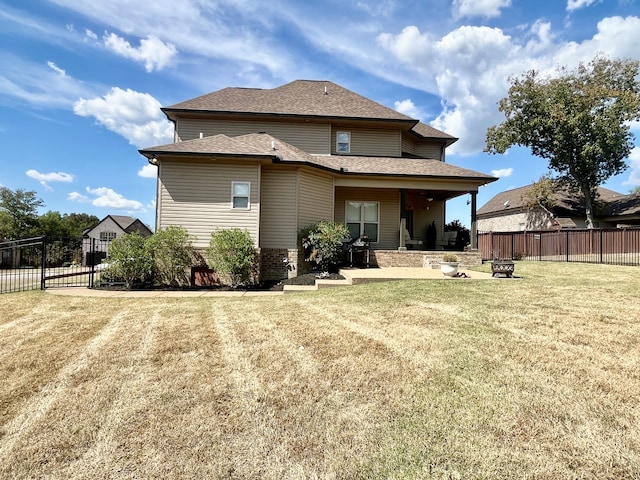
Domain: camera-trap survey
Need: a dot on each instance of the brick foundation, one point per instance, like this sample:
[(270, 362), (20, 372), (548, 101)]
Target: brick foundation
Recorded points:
[(278, 263)]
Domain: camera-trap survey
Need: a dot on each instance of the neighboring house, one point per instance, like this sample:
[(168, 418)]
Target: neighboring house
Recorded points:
[(623, 211), (507, 211), (97, 239), (274, 161)]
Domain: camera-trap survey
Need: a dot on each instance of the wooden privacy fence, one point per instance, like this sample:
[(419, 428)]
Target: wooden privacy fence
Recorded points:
[(610, 246)]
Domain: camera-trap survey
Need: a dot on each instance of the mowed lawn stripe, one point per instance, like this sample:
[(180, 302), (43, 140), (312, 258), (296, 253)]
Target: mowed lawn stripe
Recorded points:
[(30, 430), (412, 379)]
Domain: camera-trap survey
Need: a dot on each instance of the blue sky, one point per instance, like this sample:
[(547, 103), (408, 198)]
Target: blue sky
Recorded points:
[(82, 82)]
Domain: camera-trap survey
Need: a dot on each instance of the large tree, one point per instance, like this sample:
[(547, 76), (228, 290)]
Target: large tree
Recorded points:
[(19, 211), (577, 120), (69, 225)]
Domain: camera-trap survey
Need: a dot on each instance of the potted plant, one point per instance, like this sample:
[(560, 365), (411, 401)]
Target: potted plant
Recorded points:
[(449, 264)]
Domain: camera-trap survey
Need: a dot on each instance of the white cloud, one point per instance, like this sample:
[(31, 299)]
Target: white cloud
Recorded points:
[(634, 164), (408, 108), (38, 85), (107, 198), (134, 115), (470, 67), (502, 172), (90, 34), (45, 178), (577, 4), (479, 8), (78, 197), (148, 171), (153, 52), (50, 177), (57, 69)]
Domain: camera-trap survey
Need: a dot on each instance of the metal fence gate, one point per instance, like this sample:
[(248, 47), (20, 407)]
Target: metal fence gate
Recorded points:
[(39, 263)]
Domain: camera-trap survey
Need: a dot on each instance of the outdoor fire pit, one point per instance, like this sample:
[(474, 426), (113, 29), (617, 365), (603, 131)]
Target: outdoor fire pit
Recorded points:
[(504, 267)]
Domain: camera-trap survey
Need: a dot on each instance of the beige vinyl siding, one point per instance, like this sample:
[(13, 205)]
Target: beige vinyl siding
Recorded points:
[(197, 196), (311, 137), (278, 228), (389, 199), (422, 218), (408, 145), (379, 143), (315, 197), (430, 150)]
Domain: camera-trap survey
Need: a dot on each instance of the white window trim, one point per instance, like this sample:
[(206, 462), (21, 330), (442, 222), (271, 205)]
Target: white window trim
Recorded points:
[(348, 150), (108, 236), (248, 207), (362, 222)]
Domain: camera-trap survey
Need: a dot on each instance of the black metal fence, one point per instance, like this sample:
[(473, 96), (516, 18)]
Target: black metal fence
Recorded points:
[(610, 246), (39, 263)]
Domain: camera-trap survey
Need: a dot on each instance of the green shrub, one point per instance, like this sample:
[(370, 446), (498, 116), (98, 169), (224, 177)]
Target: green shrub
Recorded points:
[(130, 259), (322, 243), (173, 254), (232, 255)]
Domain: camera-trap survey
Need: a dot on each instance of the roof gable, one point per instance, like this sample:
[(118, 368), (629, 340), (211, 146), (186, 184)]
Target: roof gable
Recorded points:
[(299, 98), (124, 222), (302, 98)]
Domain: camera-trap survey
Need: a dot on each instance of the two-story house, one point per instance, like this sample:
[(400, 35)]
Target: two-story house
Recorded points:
[(274, 161)]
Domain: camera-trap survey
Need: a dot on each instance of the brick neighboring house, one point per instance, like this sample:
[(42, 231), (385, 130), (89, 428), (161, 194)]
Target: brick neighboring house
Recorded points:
[(110, 227), (506, 212), (274, 161)]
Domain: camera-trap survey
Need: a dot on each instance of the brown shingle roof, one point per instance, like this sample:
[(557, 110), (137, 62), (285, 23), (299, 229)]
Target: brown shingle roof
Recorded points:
[(305, 98), (398, 166), (624, 205), (260, 145), (300, 98), (426, 131), (565, 202)]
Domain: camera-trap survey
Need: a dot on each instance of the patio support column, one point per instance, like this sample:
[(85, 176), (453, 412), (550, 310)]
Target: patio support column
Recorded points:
[(474, 221), (403, 219)]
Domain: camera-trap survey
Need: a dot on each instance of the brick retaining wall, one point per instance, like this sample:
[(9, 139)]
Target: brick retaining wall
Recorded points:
[(420, 258)]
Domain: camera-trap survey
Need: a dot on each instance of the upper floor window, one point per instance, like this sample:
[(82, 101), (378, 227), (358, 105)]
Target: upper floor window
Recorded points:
[(343, 142), (240, 197), (107, 236)]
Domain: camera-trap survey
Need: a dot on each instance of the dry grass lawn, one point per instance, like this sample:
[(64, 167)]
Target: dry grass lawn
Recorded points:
[(531, 378)]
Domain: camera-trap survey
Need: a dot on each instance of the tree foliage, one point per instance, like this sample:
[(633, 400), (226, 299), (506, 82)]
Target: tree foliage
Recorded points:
[(53, 225), (232, 254), (19, 211), (130, 260), (173, 253), (577, 120), (322, 243), (542, 194)]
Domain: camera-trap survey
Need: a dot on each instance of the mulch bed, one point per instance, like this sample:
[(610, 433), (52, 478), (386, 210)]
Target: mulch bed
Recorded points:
[(305, 279)]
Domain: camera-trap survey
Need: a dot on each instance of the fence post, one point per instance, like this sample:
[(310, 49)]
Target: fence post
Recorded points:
[(566, 234), (601, 238), (513, 236), (44, 261), (92, 256)]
